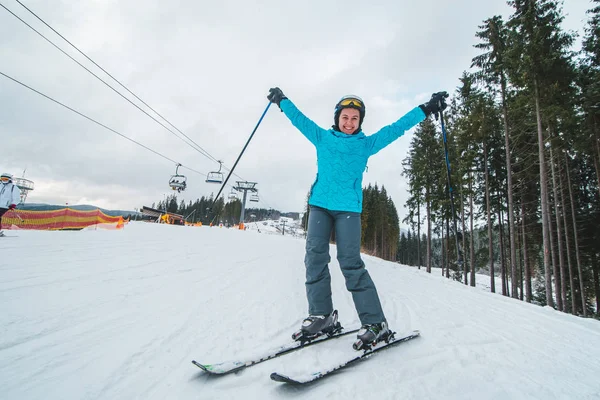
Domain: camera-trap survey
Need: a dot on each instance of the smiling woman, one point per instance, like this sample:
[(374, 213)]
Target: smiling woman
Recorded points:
[(336, 204), (349, 121), (349, 114)]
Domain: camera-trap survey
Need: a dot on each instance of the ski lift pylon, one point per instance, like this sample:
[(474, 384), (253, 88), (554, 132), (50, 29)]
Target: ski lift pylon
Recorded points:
[(178, 182), (215, 176)]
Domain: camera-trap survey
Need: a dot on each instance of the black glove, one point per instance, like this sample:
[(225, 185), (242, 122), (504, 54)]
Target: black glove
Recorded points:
[(436, 105), (275, 96)]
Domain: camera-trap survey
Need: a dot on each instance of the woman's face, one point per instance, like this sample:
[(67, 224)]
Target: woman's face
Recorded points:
[(349, 120)]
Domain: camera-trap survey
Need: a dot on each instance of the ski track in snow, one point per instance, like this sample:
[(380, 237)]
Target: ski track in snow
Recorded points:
[(120, 315)]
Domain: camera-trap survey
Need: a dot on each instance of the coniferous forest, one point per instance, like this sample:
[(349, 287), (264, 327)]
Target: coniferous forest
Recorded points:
[(523, 137), (227, 213)]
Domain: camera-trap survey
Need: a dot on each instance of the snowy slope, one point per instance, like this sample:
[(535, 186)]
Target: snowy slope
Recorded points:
[(283, 225), (120, 315)]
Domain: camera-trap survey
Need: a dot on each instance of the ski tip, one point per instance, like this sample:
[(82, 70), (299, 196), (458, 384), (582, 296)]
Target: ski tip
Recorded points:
[(404, 336), (409, 335), (201, 366), (276, 377), (282, 378)]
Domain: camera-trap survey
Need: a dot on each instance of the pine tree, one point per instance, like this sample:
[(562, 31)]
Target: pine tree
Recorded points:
[(423, 168), (539, 58), (494, 36)]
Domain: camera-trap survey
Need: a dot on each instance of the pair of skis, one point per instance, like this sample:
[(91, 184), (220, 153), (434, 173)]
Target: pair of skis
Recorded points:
[(229, 367)]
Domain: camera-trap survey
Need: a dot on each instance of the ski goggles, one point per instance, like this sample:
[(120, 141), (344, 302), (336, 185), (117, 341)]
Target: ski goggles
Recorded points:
[(5, 179), (351, 101)]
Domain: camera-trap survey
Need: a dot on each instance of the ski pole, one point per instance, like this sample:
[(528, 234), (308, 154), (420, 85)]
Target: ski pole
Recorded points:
[(459, 261), (240, 156)]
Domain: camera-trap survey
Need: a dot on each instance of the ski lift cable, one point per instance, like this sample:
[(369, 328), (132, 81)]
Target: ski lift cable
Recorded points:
[(96, 122), (113, 78), (101, 80), (195, 146), (101, 124)]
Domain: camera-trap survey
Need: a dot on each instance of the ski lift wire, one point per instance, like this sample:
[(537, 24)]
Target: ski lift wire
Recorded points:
[(97, 122), (196, 147)]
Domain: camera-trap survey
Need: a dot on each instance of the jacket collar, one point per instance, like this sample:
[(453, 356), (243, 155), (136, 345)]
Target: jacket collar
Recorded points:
[(343, 135)]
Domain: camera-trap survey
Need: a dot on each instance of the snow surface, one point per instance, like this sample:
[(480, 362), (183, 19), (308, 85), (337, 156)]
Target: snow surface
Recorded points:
[(101, 314), (283, 225)]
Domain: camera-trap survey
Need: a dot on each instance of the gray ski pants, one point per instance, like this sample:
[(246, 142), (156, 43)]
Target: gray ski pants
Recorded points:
[(318, 280)]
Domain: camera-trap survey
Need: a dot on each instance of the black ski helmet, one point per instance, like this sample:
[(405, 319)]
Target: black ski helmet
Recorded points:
[(349, 101)]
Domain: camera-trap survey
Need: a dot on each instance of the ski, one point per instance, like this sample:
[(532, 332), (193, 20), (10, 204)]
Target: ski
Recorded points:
[(229, 367), (307, 378)]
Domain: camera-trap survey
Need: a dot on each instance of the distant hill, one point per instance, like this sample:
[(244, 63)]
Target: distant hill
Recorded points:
[(82, 207)]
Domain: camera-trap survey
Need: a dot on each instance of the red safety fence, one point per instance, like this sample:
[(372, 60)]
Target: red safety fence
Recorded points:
[(64, 218)]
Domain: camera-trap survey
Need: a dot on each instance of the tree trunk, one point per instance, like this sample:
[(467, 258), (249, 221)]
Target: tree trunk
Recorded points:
[(555, 271), (374, 248), (472, 247), (502, 259), (544, 197), (511, 215), (568, 247), (525, 256), (447, 247), (464, 236), (520, 258), (597, 158), (443, 252), (428, 206), (418, 233), (577, 258), (383, 252), (489, 221), (597, 167), (561, 292), (595, 269)]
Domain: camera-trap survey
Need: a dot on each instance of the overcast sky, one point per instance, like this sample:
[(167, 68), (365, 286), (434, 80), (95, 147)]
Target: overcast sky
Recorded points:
[(207, 67)]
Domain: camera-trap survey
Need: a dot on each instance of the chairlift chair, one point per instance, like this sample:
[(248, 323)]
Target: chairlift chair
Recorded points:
[(232, 194), (215, 176), (178, 182), (254, 197)]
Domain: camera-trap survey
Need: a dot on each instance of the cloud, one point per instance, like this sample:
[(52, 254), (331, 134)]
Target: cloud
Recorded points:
[(207, 67)]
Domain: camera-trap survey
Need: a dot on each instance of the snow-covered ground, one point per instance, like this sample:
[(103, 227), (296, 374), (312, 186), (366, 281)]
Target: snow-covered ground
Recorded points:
[(120, 315), (282, 226)]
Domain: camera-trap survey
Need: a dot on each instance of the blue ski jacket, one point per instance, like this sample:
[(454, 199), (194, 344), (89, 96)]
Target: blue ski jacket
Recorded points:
[(342, 158)]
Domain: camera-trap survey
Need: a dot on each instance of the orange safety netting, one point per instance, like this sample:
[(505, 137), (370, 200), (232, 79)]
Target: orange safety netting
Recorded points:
[(64, 218)]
